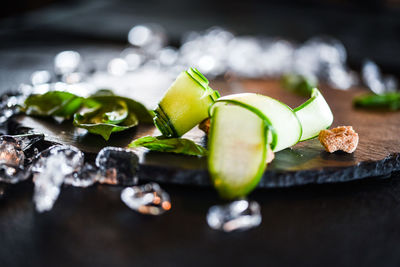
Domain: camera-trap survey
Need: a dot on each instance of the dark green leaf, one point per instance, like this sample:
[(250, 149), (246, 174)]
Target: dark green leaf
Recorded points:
[(54, 103), (106, 117), (104, 97), (386, 101), (299, 84), (174, 145)]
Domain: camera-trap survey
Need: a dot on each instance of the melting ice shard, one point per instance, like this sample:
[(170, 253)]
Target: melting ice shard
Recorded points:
[(237, 215), (87, 176), (147, 199), (51, 168)]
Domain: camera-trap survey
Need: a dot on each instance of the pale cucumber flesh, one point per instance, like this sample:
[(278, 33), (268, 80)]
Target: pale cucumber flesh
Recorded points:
[(237, 150), (185, 104), (314, 115), (282, 118)]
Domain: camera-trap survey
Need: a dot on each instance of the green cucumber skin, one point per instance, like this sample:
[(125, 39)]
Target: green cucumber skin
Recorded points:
[(225, 189), (309, 101), (163, 123)]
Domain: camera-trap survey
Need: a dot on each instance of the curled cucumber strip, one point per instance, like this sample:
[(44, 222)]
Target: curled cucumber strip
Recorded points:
[(314, 115)]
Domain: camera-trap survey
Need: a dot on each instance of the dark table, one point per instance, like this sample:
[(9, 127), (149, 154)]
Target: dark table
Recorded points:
[(349, 224)]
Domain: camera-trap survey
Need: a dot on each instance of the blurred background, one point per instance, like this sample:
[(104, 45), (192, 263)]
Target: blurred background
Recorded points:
[(33, 31)]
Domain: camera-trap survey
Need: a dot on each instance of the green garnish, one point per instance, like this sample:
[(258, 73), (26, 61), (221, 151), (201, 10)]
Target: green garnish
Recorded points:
[(54, 103), (299, 84), (106, 97), (102, 113), (386, 101), (172, 145), (106, 118)]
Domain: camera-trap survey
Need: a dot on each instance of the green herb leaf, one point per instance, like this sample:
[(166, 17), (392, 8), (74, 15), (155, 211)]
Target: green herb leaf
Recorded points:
[(173, 145), (142, 113), (386, 101), (53, 103), (299, 84), (105, 117)]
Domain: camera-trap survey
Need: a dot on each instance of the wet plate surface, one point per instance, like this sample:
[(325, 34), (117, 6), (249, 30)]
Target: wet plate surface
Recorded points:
[(377, 153)]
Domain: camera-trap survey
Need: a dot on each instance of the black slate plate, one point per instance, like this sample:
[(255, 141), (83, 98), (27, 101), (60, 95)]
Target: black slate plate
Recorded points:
[(305, 163)]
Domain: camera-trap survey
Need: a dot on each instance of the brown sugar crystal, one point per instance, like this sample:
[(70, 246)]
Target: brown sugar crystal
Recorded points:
[(205, 126), (340, 138)]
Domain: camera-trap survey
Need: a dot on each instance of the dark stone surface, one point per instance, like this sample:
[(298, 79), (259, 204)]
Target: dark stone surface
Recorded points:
[(348, 224)]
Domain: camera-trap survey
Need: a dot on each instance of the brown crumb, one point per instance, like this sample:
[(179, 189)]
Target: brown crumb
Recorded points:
[(270, 156), (205, 125), (340, 138)]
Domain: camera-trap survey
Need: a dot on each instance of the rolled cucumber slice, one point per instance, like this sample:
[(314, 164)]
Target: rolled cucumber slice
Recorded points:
[(285, 127), (185, 104), (314, 115), (237, 150)]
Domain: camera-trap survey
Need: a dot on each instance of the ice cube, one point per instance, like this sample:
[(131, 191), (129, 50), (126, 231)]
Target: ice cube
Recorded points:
[(146, 199), (134, 57), (149, 37), (12, 174), (391, 83), (11, 152), (15, 155), (117, 67), (73, 162), (52, 167), (73, 77), (87, 176), (237, 215), (244, 56), (9, 106), (118, 166), (276, 57), (168, 56), (48, 182), (67, 62), (372, 78), (25, 141), (40, 77)]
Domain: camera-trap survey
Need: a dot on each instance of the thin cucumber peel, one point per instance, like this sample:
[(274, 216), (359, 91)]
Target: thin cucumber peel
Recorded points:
[(284, 124), (281, 124), (314, 115)]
